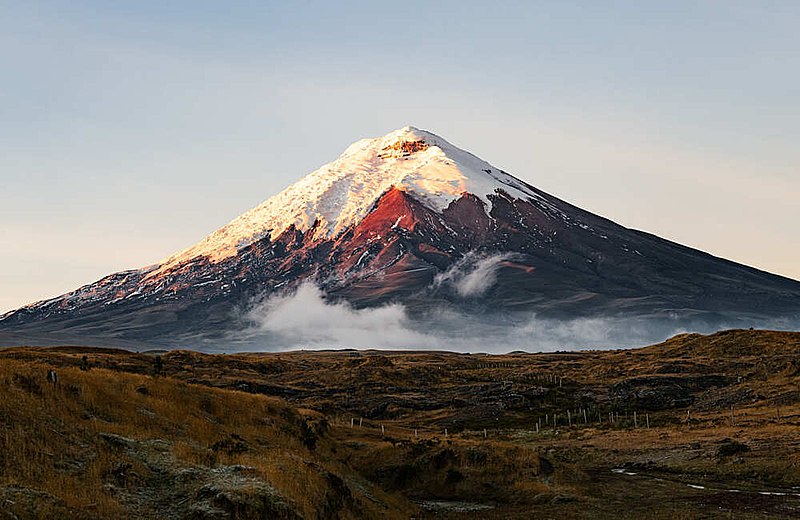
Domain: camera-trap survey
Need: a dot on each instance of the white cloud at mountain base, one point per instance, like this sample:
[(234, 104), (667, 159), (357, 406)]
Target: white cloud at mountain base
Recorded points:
[(306, 319)]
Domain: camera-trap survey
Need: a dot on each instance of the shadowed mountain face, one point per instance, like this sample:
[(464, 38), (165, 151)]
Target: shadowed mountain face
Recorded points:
[(510, 250)]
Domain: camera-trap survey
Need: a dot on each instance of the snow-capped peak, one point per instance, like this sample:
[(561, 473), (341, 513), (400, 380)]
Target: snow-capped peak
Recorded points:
[(342, 192)]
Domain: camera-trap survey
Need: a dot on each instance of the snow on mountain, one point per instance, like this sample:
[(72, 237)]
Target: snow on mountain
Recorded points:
[(342, 192)]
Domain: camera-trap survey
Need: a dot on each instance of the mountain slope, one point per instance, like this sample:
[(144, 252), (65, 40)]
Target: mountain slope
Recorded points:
[(410, 218), (340, 194)]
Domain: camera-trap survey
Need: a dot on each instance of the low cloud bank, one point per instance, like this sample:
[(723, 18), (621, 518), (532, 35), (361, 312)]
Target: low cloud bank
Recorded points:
[(306, 319)]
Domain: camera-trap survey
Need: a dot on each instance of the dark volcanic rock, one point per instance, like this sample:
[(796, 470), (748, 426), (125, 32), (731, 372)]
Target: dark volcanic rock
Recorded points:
[(664, 392)]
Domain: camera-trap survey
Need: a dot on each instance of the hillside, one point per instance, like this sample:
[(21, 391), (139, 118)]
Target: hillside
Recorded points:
[(107, 443), (660, 432)]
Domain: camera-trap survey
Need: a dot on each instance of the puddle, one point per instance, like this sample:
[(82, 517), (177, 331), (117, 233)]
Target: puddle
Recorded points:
[(451, 506), (623, 471)]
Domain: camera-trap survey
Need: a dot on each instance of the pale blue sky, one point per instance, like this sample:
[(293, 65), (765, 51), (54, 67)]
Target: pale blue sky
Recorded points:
[(129, 131)]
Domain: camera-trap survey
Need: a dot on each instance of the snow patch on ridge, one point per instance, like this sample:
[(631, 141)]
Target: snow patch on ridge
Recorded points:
[(341, 193)]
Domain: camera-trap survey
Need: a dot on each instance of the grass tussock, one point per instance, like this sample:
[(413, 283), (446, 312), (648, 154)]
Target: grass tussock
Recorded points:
[(71, 438)]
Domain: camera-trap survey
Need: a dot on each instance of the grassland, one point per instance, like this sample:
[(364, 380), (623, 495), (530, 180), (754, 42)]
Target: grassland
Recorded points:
[(696, 427)]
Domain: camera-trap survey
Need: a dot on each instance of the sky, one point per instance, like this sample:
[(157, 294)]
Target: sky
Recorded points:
[(130, 130)]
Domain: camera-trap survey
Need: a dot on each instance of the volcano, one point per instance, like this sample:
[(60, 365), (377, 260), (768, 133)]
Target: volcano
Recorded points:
[(410, 219)]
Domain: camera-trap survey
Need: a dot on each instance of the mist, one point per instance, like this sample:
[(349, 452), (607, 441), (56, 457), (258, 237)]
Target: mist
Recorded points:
[(307, 319), (472, 275)]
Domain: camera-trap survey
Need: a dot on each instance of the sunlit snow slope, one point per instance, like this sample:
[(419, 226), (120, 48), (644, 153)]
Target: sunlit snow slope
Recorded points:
[(341, 193)]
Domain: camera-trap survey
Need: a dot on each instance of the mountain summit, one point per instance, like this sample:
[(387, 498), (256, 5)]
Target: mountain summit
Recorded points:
[(341, 193), (409, 218)]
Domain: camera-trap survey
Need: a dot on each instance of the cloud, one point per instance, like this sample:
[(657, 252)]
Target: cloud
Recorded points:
[(308, 319), (472, 275)]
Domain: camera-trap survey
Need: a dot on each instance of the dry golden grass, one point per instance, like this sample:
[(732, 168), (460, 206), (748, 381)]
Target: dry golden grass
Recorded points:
[(51, 435), (755, 371), (39, 435)]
